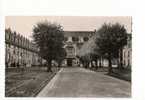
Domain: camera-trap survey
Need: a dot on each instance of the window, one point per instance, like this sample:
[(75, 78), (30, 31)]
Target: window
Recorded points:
[(128, 53), (75, 39), (86, 38), (14, 50)]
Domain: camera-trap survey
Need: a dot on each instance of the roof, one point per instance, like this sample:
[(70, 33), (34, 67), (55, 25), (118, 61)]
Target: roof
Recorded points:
[(78, 33)]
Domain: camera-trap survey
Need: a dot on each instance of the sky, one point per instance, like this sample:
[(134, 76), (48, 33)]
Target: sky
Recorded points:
[(25, 24)]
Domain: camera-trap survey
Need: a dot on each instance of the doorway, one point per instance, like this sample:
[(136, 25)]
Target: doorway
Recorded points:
[(69, 62)]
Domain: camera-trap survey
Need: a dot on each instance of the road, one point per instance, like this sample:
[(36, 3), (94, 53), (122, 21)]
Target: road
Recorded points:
[(80, 82)]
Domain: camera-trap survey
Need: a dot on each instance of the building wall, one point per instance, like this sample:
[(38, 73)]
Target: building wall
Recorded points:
[(20, 51), (74, 41), (127, 53)]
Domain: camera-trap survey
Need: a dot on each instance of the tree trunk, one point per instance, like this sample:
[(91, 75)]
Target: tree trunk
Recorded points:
[(92, 66), (100, 64), (102, 61), (110, 64), (96, 64), (49, 66), (87, 64), (59, 64)]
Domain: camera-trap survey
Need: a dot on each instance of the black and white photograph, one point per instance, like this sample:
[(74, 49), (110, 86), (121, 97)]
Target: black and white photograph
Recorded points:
[(72, 49), (68, 56)]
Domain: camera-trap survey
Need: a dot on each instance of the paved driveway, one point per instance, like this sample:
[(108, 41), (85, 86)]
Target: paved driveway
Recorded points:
[(80, 82)]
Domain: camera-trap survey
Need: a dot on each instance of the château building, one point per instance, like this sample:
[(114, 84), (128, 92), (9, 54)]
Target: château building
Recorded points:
[(20, 51), (127, 52), (73, 42)]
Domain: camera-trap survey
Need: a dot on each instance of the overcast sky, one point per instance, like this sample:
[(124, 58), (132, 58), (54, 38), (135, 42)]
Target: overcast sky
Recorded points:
[(24, 24)]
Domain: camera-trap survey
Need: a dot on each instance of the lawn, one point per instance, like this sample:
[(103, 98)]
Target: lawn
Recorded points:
[(27, 83), (124, 74)]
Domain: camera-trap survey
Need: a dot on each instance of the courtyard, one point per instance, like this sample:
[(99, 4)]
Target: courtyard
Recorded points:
[(80, 82)]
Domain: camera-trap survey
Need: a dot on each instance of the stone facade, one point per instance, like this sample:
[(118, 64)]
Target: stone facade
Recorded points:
[(127, 52), (73, 42), (20, 51)]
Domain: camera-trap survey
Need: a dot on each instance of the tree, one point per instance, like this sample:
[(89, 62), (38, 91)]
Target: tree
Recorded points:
[(49, 40), (61, 56), (110, 39)]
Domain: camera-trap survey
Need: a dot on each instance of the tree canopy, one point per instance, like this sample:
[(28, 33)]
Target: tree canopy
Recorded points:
[(49, 39), (110, 39)]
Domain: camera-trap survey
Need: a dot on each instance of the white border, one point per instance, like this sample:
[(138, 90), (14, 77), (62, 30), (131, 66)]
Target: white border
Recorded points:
[(134, 8)]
